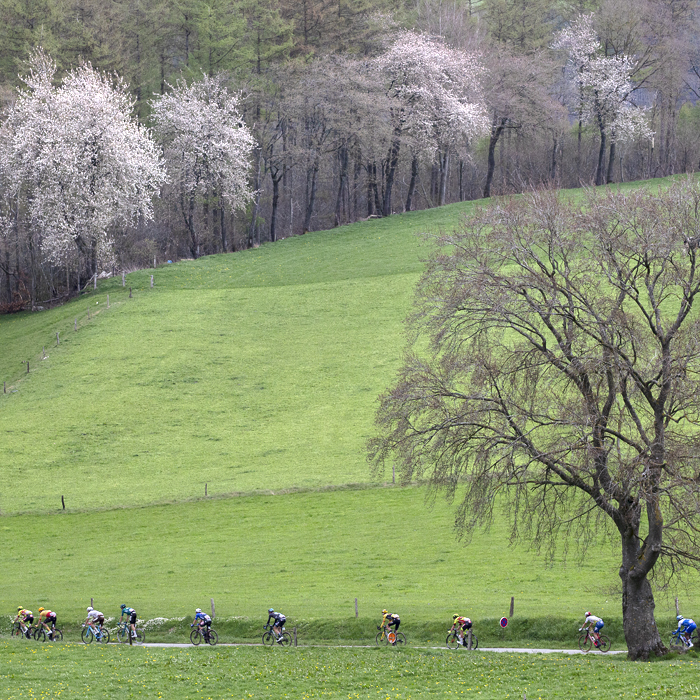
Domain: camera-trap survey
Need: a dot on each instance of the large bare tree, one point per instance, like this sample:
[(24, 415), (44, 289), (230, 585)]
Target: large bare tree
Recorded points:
[(554, 372)]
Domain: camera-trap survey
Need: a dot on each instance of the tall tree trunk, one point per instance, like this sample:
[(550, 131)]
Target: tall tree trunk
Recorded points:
[(601, 151), (641, 634), (392, 161), (444, 168), (343, 174), (275, 204), (256, 199), (311, 188), (222, 216), (553, 167), (611, 161), (412, 183), (496, 130)]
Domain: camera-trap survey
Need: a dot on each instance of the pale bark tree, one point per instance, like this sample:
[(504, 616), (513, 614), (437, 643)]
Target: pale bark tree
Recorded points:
[(553, 374), (207, 150)]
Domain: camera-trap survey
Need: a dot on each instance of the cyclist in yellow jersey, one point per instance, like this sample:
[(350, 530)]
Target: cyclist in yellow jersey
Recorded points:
[(461, 624), (390, 620), (26, 619)]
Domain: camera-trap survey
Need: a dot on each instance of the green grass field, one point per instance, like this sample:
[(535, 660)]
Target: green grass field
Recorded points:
[(255, 375), (68, 672)]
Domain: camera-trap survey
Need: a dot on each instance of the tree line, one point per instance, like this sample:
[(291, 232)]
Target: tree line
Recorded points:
[(265, 120)]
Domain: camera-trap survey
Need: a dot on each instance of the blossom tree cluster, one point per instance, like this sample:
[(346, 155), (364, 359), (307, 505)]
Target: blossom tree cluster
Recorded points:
[(207, 148), (602, 90), (76, 165)]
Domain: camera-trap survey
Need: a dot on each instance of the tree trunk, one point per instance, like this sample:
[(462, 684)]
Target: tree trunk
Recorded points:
[(343, 164), (256, 199), (601, 154), (412, 183), (496, 131), (444, 168), (222, 215), (311, 188), (553, 168), (611, 162), (275, 205), (641, 634), (392, 161)]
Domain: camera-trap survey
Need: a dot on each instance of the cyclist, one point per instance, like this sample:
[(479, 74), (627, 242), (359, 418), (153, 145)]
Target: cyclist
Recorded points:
[(462, 625), (204, 622), (595, 624), (390, 620), (687, 626), (46, 618), (94, 620), (131, 615), (279, 619), (25, 619)]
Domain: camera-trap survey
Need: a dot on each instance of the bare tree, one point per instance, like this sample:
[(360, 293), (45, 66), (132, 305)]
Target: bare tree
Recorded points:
[(555, 373)]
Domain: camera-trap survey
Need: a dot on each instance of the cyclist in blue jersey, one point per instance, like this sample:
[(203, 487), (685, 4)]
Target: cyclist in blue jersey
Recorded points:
[(595, 624), (687, 626), (279, 619), (130, 614), (203, 621)]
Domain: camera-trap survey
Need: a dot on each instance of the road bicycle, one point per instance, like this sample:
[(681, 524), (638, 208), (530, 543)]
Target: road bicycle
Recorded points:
[(200, 633), (453, 641), (678, 641), (88, 634), (270, 637), (18, 629), (41, 635), (124, 634), (388, 636), (586, 641)]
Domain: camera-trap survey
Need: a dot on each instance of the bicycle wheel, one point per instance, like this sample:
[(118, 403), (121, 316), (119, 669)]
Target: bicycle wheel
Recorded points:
[(56, 636), (16, 629), (400, 639), (584, 643), (195, 637), (213, 637), (268, 639), (452, 641), (286, 639), (381, 638), (140, 637), (123, 634), (104, 636), (86, 635), (604, 643)]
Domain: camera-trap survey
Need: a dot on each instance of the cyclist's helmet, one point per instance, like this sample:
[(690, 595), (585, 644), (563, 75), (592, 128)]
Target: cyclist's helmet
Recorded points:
[(90, 608), (198, 610), (679, 618), (455, 616), (271, 610), (384, 612), (42, 609), (587, 614), (123, 606), (20, 608)]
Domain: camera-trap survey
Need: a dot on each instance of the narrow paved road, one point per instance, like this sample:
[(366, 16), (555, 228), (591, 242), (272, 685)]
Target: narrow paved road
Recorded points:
[(498, 650)]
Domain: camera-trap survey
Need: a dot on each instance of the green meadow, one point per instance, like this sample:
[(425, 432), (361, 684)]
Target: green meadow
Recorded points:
[(253, 377), (68, 672)]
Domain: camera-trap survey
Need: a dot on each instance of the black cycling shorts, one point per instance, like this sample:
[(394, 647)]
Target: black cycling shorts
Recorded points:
[(29, 619), (466, 625), (132, 619), (394, 622), (51, 619)]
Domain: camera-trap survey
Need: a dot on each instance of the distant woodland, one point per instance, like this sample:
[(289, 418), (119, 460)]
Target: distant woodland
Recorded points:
[(343, 110)]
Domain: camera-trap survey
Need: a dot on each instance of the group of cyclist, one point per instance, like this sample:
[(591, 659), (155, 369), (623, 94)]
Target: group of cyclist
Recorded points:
[(460, 624)]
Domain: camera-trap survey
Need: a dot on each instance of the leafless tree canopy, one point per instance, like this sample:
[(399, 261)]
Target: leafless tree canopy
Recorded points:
[(554, 372)]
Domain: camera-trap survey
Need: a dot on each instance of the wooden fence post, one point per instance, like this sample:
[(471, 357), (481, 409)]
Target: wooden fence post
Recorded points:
[(213, 612), (63, 503), (677, 613), (4, 387), (129, 292), (205, 489), (58, 341), (355, 607), (512, 605), (27, 367), (469, 639), (393, 474), (151, 281), (92, 602), (43, 353), (108, 301), (123, 279), (295, 636)]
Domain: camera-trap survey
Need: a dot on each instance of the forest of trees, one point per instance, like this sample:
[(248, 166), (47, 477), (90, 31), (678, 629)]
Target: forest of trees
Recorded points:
[(252, 121)]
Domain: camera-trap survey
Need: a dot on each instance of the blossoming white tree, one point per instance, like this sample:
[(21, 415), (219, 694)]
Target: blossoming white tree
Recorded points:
[(76, 162), (603, 86), (437, 99), (207, 149)]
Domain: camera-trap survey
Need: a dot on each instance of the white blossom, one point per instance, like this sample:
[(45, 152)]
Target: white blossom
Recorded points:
[(78, 158)]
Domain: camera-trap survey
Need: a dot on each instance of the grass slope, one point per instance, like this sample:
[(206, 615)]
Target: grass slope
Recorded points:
[(73, 671)]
